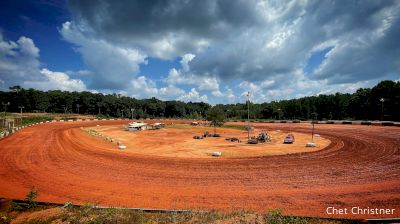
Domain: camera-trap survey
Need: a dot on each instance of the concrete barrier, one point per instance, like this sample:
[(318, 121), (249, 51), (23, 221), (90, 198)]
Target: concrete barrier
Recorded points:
[(310, 144), (216, 154), (121, 147)]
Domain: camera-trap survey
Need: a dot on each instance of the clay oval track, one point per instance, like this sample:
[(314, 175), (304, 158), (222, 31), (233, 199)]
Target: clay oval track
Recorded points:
[(359, 168)]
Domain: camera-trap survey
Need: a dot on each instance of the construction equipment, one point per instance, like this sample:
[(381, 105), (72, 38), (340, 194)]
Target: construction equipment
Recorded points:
[(207, 134), (233, 139), (252, 140), (263, 137)]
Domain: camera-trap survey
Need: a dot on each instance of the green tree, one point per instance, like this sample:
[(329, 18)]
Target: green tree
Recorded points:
[(216, 116)]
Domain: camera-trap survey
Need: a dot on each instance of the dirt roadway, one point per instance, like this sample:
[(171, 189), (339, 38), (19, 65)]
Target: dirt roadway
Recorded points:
[(361, 167)]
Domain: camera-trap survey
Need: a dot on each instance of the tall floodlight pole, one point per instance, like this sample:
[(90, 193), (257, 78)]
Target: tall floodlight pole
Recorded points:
[(21, 107), (313, 123), (132, 110), (312, 132), (77, 106), (248, 115), (279, 113), (382, 101), (5, 108)]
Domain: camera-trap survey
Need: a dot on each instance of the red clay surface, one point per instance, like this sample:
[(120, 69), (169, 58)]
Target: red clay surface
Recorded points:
[(361, 167), (177, 141)]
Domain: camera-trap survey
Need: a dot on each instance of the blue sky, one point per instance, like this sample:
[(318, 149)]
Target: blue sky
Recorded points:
[(208, 51)]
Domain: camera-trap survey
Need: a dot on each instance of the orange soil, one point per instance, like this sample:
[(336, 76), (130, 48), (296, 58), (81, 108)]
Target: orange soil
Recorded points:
[(360, 167), (177, 141)]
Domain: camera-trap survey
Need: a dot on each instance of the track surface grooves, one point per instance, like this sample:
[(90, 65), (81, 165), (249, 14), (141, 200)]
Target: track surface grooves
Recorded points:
[(361, 167)]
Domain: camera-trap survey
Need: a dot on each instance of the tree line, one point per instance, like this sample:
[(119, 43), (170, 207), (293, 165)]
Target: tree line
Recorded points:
[(376, 103)]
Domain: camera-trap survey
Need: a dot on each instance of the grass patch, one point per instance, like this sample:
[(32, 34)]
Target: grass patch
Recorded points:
[(88, 213), (187, 127), (181, 126), (31, 120), (238, 127)]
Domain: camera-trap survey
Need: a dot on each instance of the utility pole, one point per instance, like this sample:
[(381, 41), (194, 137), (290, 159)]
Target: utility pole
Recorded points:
[(382, 101), (5, 108), (313, 123), (132, 110), (21, 107), (248, 115), (279, 113)]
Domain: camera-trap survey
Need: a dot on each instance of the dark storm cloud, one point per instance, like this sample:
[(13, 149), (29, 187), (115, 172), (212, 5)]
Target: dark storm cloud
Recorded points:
[(144, 18), (180, 22), (254, 40)]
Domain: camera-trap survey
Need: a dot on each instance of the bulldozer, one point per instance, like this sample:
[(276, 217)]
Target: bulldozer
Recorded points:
[(263, 137)]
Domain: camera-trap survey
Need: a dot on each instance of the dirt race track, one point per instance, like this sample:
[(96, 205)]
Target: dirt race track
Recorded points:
[(360, 167)]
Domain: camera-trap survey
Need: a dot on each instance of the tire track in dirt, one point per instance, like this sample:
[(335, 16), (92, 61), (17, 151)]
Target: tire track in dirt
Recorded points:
[(359, 168)]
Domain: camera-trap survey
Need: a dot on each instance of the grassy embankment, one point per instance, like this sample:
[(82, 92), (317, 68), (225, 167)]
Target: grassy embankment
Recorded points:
[(90, 214)]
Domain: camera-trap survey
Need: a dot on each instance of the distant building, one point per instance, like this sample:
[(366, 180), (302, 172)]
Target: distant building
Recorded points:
[(137, 126)]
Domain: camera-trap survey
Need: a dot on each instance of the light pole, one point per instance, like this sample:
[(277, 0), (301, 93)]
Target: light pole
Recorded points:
[(21, 107), (132, 110), (313, 123), (248, 115), (5, 108), (382, 101), (279, 113), (77, 105)]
